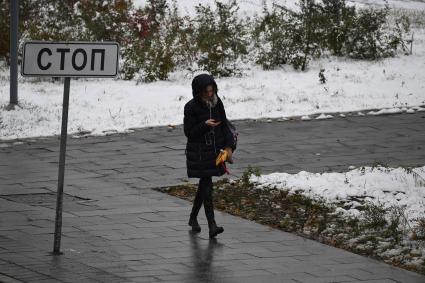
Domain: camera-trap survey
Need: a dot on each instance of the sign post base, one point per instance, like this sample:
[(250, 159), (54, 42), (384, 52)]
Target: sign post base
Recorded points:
[(11, 106)]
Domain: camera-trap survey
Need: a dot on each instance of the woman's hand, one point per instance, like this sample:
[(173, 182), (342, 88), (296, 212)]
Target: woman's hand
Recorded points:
[(212, 122)]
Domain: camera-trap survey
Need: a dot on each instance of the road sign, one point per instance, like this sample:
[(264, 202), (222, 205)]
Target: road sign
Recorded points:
[(70, 59)]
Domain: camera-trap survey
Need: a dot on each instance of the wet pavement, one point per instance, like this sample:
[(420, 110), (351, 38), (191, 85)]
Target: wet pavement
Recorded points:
[(117, 229)]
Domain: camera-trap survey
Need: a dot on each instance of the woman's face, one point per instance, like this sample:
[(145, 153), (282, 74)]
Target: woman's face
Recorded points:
[(208, 92)]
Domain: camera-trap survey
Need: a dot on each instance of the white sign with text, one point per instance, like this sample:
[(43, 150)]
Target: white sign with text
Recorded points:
[(70, 59)]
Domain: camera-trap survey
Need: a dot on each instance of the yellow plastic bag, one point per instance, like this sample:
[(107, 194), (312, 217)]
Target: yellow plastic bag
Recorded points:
[(222, 156)]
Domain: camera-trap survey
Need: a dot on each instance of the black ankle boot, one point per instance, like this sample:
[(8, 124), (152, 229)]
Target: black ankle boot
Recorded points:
[(214, 229), (194, 223)]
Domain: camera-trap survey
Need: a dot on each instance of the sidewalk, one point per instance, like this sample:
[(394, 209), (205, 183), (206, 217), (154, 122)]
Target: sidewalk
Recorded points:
[(116, 229)]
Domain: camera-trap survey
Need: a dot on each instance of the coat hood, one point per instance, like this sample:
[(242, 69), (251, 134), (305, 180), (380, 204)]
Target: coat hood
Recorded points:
[(200, 82)]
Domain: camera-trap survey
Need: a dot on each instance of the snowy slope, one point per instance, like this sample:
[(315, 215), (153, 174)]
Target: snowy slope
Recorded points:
[(99, 106), (106, 104)]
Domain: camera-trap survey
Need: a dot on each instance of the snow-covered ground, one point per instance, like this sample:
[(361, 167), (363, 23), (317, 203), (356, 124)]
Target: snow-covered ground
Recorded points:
[(99, 106), (103, 105), (250, 7), (379, 185), (394, 189)]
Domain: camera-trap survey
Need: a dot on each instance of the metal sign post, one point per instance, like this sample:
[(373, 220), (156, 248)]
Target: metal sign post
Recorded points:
[(14, 22), (59, 196), (68, 59)]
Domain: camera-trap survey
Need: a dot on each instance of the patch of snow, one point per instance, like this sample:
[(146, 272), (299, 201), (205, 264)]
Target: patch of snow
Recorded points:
[(380, 185), (392, 252), (323, 116), (386, 111)]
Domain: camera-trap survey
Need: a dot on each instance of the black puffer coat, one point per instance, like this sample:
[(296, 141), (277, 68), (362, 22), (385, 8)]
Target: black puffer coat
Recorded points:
[(203, 141)]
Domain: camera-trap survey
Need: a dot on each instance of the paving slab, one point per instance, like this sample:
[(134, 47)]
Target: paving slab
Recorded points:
[(117, 229)]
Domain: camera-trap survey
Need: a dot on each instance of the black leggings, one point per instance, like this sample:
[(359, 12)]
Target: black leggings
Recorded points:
[(204, 195)]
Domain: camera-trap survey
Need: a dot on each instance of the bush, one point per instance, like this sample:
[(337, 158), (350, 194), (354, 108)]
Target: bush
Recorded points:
[(283, 36), (28, 15), (103, 20), (397, 223), (4, 30), (309, 33), (273, 45), (220, 38), (52, 21), (419, 229), (151, 47), (339, 19), (372, 38), (247, 174), (374, 215)]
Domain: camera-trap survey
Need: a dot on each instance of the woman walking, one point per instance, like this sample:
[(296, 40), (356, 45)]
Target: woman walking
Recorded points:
[(207, 133)]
